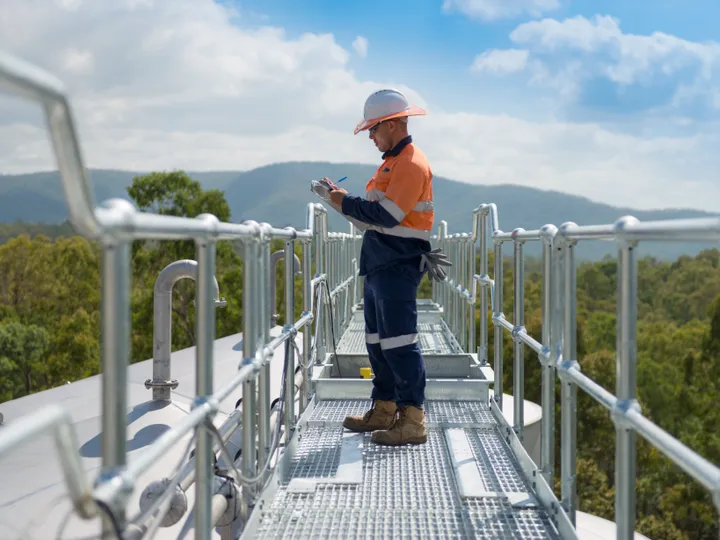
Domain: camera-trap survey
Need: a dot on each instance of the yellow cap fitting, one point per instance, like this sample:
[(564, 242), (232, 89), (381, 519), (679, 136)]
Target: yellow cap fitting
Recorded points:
[(365, 372)]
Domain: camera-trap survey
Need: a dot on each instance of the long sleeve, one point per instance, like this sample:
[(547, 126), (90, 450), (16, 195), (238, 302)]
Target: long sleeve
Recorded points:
[(367, 211)]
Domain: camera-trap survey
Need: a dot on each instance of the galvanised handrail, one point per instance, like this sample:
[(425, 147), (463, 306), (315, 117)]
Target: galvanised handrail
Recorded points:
[(115, 224), (557, 351)]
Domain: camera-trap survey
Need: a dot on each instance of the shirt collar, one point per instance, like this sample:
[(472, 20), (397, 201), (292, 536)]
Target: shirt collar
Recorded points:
[(395, 151)]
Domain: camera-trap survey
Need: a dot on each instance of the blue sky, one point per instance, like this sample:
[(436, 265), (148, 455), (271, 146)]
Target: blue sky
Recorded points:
[(430, 48), (617, 101)]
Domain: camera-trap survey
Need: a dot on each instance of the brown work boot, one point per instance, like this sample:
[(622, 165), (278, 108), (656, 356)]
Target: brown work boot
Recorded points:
[(409, 428), (380, 416)]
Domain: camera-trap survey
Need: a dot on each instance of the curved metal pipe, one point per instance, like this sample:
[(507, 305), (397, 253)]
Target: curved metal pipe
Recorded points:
[(161, 383), (274, 259)]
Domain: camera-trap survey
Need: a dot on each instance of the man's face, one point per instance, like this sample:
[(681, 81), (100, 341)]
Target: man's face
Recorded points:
[(381, 134)]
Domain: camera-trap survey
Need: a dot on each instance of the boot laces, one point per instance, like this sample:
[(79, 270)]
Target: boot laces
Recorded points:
[(399, 420), (368, 414)]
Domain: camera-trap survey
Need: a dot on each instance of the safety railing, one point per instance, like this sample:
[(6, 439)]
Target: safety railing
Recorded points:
[(557, 350), (115, 224)]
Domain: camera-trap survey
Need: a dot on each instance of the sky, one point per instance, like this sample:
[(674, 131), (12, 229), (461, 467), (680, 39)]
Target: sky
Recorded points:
[(616, 100)]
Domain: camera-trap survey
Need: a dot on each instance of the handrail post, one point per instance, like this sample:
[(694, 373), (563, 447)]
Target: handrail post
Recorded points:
[(263, 279), (498, 330), (307, 329), (205, 327), (568, 388), (519, 326), (462, 303), (472, 291), (289, 350), (626, 385), (274, 260), (483, 349), (250, 307), (547, 438), (116, 328)]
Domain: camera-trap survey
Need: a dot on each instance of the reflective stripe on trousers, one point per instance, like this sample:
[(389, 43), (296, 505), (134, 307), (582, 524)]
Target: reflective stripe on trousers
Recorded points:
[(392, 335)]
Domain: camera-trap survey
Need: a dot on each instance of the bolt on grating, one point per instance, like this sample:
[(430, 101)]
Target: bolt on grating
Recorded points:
[(495, 518), (499, 470), (436, 412)]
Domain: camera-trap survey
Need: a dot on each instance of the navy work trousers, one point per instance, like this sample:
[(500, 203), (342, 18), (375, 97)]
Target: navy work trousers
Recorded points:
[(391, 334)]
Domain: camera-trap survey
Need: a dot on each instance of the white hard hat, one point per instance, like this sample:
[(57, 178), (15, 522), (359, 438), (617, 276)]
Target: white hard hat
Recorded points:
[(384, 105)]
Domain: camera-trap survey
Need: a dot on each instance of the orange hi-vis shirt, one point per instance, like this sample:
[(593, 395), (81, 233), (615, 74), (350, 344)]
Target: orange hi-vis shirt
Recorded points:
[(398, 208)]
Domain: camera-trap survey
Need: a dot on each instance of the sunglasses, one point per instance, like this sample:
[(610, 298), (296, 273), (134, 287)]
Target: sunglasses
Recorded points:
[(374, 128)]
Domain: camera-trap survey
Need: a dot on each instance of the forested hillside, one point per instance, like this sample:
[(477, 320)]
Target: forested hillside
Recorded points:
[(50, 301)]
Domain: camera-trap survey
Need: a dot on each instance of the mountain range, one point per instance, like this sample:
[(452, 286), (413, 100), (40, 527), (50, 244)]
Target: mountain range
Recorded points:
[(279, 193)]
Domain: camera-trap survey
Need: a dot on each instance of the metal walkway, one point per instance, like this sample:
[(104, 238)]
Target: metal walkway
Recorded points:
[(465, 482)]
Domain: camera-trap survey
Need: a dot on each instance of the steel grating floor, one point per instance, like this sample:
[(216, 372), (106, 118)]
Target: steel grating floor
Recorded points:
[(432, 339), (403, 492)]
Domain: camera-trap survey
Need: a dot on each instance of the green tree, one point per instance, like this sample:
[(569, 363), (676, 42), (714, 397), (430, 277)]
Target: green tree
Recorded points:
[(177, 194)]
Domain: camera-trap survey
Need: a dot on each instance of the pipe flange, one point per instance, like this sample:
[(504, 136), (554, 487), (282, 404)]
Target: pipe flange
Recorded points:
[(149, 383), (178, 501), (226, 487)]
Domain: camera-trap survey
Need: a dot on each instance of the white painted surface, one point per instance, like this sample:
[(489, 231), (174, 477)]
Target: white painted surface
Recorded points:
[(32, 478)]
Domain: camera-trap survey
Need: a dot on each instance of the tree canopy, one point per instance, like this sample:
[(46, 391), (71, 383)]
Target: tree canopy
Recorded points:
[(49, 335)]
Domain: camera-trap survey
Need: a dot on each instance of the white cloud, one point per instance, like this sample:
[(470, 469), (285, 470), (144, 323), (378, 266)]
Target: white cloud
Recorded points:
[(175, 84), (656, 72), (361, 46), (498, 9), (501, 61)]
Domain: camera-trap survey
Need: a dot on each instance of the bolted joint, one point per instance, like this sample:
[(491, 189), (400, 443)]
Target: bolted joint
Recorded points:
[(547, 234), (619, 412), (212, 222), (545, 356), (516, 331), (562, 235), (212, 402), (292, 231), (564, 366), (229, 489), (256, 231), (265, 232), (516, 233), (496, 237), (123, 487), (621, 228), (123, 212), (290, 329)]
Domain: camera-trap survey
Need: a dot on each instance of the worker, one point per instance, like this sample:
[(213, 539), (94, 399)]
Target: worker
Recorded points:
[(396, 253)]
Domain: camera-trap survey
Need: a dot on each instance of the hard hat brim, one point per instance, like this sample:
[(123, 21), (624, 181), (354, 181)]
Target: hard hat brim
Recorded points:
[(412, 110)]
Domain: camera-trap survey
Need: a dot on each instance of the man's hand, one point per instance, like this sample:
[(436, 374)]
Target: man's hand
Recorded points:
[(337, 196)]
